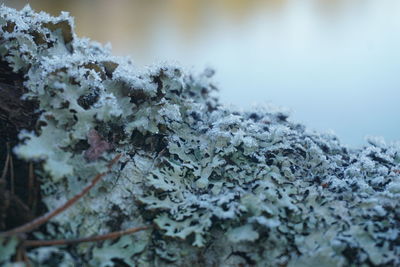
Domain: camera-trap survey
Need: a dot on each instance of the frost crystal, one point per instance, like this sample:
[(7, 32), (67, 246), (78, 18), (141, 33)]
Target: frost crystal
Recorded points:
[(221, 187)]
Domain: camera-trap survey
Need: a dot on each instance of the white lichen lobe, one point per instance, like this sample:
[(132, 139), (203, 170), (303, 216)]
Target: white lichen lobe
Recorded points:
[(222, 187)]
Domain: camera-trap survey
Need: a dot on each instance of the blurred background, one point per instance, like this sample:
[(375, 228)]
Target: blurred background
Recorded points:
[(333, 63)]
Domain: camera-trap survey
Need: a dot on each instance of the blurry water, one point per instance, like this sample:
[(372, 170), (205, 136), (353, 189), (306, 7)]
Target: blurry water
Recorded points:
[(334, 63)]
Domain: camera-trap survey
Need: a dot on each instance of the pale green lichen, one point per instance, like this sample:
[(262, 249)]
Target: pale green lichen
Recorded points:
[(222, 187), (8, 247)]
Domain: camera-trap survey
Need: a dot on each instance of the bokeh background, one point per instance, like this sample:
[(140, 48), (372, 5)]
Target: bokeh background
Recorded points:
[(334, 63)]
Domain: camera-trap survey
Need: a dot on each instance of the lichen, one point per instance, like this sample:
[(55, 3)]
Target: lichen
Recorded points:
[(222, 187)]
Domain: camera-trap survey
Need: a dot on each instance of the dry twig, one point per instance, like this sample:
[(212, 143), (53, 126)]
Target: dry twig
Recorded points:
[(21, 251), (46, 217), (5, 168)]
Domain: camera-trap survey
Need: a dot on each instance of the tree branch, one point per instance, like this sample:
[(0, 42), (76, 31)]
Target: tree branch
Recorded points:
[(45, 218)]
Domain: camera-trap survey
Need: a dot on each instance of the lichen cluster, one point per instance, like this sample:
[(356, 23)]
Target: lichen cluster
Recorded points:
[(222, 187)]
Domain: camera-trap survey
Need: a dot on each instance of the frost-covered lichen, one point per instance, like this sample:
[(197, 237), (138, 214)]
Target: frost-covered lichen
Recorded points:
[(221, 187)]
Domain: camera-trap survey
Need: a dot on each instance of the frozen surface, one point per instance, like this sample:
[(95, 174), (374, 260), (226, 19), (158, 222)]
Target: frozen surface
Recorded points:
[(222, 187)]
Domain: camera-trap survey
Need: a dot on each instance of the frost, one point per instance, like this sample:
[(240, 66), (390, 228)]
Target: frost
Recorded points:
[(121, 251), (52, 256), (220, 186), (242, 233), (8, 249)]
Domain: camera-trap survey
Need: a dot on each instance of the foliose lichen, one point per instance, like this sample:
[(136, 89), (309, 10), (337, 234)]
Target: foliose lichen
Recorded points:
[(222, 187)]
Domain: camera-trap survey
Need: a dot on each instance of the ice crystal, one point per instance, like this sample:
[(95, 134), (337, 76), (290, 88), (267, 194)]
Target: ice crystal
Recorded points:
[(222, 187)]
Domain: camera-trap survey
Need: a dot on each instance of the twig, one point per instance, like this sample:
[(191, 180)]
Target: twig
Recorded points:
[(21, 255), (5, 168), (12, 182), (113, 235), (35, 190), (31, 185), (43, 219)]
